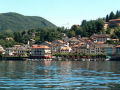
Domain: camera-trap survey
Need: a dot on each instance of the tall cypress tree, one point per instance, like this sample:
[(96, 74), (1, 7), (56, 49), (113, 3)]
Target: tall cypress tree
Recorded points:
[(117, 14), (112, 15), (107, 18)]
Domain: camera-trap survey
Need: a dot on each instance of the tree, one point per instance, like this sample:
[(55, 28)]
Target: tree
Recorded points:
[(117, 14), (18, 37), (112, 15), (92, 26), (108, 31), (75, 27), (117, 32), (79, 31), (71, 33), (99, 25), (107, 18), (83, 22)]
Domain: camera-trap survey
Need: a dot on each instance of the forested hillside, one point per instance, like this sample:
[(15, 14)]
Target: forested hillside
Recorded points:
[(15, 22)]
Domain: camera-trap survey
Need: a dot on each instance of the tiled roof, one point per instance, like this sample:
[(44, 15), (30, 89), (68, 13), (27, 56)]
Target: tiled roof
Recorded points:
[(114, 20), (118, 46), (60, 41), (100, 35), (99, 42), (41, 46), (76, 46), (65, 48)]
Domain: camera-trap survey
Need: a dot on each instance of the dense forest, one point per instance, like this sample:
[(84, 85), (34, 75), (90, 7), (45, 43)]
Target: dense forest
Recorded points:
[(14, 22), (22, 37)]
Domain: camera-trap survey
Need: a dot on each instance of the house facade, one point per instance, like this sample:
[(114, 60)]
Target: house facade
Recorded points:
[(117, 50), (40, 52), (100, 38), (102, 49), (65, 49), (2, 49), (114, 22), (18, 50)]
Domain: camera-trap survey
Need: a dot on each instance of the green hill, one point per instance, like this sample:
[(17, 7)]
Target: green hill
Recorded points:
[(15, 21)]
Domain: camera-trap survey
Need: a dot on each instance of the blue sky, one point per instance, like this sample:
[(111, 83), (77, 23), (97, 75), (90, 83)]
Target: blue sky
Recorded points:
[(61, 12)]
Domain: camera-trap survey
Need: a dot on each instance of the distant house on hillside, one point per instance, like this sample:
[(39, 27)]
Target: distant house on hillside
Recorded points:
[(56, 45), (74, 41), (9, 39), (106, 25), (100, 38), (114, 22)]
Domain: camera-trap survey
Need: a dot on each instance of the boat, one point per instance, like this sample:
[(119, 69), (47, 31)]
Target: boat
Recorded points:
[(108, 58)]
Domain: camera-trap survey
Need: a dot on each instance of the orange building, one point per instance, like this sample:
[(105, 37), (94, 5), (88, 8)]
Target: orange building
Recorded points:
[(40, 52)]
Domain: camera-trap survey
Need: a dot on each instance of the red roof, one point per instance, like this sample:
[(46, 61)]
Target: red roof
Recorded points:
[(76, 46), (114, 20), (99, 35), (48, 56), (99, 42), (118, 46), (41, 46)]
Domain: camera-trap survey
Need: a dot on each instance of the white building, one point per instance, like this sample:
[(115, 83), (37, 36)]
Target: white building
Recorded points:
[(100, 37), (2, 50), (65, 49), (18, 50)]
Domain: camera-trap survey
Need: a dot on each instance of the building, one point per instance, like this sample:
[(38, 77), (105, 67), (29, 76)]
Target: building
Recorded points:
[(2, 49), (10, 51), (46, 43), (100, 38), (32, 41), (80, 48), (102, 49), (65, 49), (110, 50), (40, 52), (9, 39), (56, 46), (73, 41), (18, 50), (117, 50), (114, 22), (106, 25), (64, 37)]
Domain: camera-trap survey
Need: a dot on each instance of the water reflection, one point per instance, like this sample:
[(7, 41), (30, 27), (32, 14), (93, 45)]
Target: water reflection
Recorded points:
[(59, 75)]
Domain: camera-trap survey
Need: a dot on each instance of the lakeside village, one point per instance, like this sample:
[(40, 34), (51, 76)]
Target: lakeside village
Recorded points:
[(75, 48)]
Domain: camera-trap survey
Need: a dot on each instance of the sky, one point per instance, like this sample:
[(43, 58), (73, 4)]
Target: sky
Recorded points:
[(61, 12)]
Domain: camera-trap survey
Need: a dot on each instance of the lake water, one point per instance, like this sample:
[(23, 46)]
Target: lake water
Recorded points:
[(50, 75)]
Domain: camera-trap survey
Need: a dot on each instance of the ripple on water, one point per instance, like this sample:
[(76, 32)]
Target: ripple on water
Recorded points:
[(58, 75)]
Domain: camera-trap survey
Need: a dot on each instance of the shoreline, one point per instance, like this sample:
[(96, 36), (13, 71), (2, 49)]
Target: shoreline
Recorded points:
[(52, 59), (65, 58)]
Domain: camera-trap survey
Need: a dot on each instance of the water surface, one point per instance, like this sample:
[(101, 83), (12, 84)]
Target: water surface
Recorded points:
[(52, 75)]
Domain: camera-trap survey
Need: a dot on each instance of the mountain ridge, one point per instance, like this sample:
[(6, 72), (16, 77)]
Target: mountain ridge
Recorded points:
[(14, 21)]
